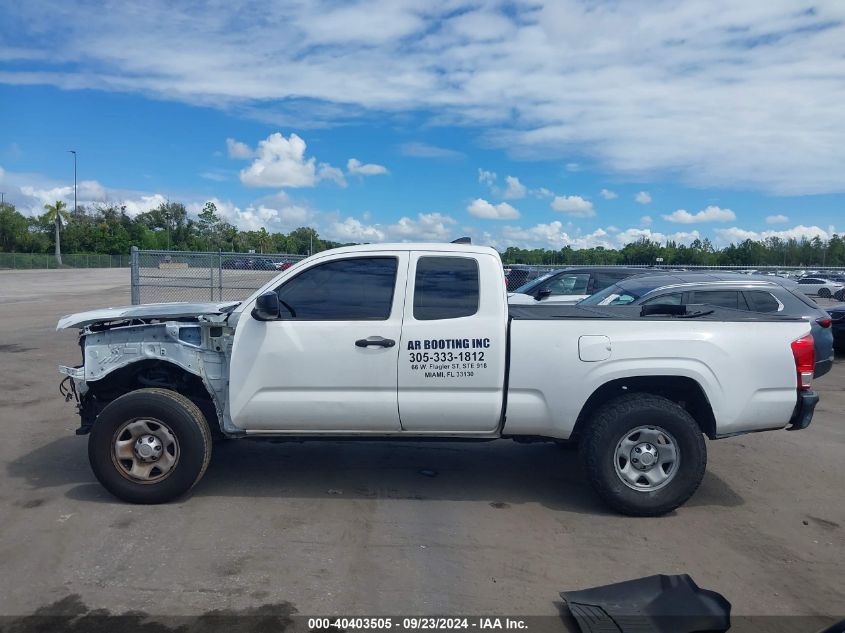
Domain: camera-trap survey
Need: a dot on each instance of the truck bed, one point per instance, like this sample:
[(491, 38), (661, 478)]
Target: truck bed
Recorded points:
[(697, 312)]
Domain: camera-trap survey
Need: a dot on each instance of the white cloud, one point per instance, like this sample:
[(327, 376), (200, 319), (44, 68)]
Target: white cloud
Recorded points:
[(352, 230), (327, 172), (216, 176), (709, 214), (573, 167), (512, 72), (777, 219), (643, 197), (542, 192), (238, 150), (424, 150), (607, 194), (480, 208), (356, 168), (735, 234), (575, 206), (486, 177), (259, 215), (514, 189), (646, 220), (554, 235), (281, 162), (431, 227), (143, 203)]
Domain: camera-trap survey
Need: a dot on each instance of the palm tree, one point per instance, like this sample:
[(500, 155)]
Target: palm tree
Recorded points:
[(57, 215)]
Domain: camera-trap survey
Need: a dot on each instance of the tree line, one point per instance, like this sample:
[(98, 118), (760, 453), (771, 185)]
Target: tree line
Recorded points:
[(108, 229)]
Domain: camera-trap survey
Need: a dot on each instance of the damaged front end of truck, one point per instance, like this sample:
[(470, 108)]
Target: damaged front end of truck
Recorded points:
[(183, 347)]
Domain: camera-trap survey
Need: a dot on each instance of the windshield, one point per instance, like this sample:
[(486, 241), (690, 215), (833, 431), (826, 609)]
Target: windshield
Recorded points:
[(526, 288), (613, 295)]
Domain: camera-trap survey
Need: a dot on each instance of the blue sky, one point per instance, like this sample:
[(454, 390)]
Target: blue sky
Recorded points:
[(580, 123)]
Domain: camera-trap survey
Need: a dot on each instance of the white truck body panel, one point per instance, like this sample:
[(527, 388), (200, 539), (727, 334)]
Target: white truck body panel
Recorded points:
[(309, 376), (546, 398), (456, 389)]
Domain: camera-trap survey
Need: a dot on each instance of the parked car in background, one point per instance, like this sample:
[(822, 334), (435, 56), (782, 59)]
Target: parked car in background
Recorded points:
[(518, 274), (754, 293), (570, 285), (261, 263), (249, 263), (235, 263), (819, 286), (837, 326)]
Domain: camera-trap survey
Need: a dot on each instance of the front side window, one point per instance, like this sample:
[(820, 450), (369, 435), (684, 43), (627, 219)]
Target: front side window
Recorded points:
[(568, 284), (359, 289), (445, 288)]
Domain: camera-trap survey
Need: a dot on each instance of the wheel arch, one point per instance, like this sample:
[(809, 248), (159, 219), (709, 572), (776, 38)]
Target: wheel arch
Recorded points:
[(682, 390), (156, 373)]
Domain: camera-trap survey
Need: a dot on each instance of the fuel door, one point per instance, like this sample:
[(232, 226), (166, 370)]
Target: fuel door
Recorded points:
[(593, 347)]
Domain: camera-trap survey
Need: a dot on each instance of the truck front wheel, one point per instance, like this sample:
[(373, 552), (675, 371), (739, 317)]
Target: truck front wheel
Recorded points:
[(644, 454), (149, 446)]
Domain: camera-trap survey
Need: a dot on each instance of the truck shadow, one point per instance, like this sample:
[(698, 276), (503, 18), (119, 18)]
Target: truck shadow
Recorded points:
[(500, 472)]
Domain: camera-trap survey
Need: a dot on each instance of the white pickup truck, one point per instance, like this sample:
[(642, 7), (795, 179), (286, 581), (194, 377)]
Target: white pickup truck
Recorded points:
[(417, 341)]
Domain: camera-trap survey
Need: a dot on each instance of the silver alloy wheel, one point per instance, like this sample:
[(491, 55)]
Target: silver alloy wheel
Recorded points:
[(646, 458), (145, 450)]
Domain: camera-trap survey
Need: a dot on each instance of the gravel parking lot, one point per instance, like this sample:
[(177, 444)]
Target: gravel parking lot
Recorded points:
[(386, 528)]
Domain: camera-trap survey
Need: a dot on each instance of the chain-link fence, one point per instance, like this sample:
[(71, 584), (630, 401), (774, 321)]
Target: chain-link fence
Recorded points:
[(31, 261), (213, 276), (161, 276)]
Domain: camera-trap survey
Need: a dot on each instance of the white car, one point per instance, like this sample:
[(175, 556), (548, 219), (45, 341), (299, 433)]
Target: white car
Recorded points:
[(417, 341), (819, 286)]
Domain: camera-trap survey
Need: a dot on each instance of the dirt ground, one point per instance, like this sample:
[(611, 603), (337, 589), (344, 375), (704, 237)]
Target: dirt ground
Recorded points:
[(386, 528)]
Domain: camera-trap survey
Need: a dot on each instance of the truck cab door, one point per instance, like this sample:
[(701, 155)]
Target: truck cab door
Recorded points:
[(453, 346), (329, 363)]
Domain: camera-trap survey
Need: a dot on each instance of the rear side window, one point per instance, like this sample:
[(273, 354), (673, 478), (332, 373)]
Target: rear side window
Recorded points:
[(445, 288), (670, 299), (359, 289), (722, 298), (761, 301), (604, 279)]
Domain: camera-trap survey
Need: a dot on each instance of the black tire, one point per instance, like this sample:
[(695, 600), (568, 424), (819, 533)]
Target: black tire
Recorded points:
[(187, 425), (839, 295), (618, 418), (824, 293)]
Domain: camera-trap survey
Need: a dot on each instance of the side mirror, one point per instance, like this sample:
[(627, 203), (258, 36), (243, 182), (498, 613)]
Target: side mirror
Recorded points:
[(267, 307), (542, 293)]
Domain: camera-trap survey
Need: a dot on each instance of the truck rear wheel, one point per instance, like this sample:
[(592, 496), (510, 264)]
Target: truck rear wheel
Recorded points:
[(644, 454), (149, 446)]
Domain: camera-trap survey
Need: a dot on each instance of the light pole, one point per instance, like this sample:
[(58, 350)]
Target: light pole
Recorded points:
[(73, 151)]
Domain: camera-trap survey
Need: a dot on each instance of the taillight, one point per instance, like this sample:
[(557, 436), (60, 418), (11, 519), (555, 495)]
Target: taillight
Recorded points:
[(804, 352), (824, 321)]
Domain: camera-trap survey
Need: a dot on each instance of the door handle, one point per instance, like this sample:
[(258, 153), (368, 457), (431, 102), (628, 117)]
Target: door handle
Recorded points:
[(377, 341)]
